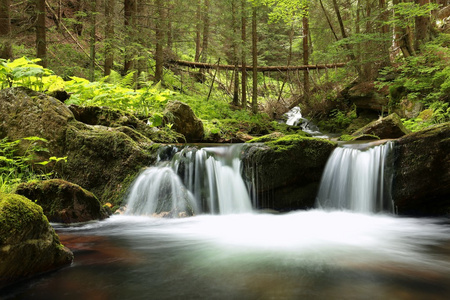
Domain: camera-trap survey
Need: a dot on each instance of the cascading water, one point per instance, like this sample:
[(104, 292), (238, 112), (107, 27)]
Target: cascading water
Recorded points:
[(357, 180), (194, 181), (295, 118)]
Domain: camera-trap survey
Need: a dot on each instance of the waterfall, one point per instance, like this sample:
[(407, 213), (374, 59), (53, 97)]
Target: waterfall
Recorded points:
[(294, 117), (191, 181), (357, 180)]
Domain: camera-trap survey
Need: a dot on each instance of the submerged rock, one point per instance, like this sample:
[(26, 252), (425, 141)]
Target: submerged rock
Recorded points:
[(286, 172), (28, 244), (390, 127), (63, 202), (102, 159), (422, 172), (184, 121)]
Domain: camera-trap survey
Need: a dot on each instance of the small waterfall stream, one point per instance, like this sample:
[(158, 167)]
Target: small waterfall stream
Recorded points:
[(357, 179), (191, 181)]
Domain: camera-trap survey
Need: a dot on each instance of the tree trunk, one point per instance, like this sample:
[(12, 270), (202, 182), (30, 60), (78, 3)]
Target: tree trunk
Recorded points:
[(423, 27), (5, 30), (159, 55), (169, 25), (94, 5), (255, 61), (41, 38), (204, 55), (198, 36), (403, 37), (243, 52), (109, 36), (235, 54), (306, 57), (130, 24)]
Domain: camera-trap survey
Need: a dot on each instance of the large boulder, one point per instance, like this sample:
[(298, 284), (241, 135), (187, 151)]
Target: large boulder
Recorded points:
[(102, 159), (286, 172), (122, 121), (184, 121), (25, 113), (390, 127), (367, 97), (63, 202), (421, 183), (28, 244)]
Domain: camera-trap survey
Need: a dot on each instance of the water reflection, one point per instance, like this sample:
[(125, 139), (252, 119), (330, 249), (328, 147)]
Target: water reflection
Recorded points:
[(301, 255)]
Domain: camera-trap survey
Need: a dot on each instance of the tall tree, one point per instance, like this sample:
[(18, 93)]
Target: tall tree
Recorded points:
[(205, 31), (109, 35), (198, 34), (306, 86), (5, 30), (235, 52), (255, 60), (130, 26), (243, 53), (41, 37), (93, 11), (422, 26), (159, 55)]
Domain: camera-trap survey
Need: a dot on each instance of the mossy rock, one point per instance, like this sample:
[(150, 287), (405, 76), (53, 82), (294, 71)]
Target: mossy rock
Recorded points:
[(267, 138), (123, 121), (102, 159), (62, 201), (183, 121), (422, 172), (28, 244), (287, 170), (390, 127)]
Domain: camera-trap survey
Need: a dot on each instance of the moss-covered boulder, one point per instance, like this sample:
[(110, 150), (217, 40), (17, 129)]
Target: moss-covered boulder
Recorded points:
[(25, 113), (390, 127), (28, 244), (102, 159), (286, 172), (422, 172), (184, 121), (63, 202), (122, 121)]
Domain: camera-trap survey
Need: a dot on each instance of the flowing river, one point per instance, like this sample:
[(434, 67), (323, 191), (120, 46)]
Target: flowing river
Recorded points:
[(323, 253)]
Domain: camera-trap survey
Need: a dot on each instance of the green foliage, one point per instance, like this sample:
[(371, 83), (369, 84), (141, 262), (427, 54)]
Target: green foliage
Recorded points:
[(115, 91), (27, 73), (438, 112), (16, 168), (423, 78), (406, 12)]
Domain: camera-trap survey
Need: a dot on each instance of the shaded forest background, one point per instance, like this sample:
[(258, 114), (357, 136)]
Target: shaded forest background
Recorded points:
[(398, 46)]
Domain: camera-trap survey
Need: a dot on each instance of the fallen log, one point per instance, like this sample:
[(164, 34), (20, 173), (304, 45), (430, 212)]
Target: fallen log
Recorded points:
[(199, 65)]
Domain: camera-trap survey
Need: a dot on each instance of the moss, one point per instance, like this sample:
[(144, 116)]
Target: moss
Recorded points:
[(16, 214), (346, 138), (288, 142)]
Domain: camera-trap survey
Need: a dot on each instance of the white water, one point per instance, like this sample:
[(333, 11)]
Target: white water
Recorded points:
[(356, 180), (295, 118), (206, 180)]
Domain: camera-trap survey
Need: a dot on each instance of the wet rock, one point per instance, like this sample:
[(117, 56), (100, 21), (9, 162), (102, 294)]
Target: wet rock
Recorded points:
[(390, 127), (184, 121), (63, 202), (421, 183), (286, 171), (28, 244)]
